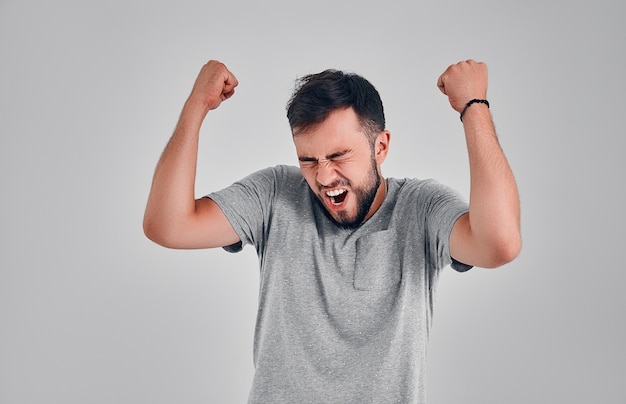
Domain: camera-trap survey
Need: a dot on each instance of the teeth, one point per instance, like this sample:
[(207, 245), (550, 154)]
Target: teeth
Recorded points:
[(335, 192)]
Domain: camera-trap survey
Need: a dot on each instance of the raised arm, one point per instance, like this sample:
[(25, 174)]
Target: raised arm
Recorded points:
[(173, 217), (489, 235)]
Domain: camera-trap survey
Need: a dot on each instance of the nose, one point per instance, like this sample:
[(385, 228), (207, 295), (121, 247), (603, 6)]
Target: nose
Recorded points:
[(326, 174)]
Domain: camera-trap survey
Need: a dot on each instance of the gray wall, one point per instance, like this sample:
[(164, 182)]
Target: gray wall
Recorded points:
[(92, 312)]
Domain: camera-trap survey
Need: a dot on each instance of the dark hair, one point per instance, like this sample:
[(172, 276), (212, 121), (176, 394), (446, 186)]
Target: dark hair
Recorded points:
[(317, 95)]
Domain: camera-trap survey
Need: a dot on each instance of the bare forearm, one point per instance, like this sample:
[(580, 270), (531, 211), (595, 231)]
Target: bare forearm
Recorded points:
[(173, 217), (172, 196), (489, 235), (494, 217)]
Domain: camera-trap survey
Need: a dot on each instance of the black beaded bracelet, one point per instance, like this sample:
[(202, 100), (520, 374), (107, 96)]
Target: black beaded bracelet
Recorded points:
[(474, 101)]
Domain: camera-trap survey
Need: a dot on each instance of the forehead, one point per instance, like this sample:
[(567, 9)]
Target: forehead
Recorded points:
[(340, 130)]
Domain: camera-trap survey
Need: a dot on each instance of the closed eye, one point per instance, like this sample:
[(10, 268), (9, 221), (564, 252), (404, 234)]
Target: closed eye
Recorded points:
[(307, 162), (340, 156)]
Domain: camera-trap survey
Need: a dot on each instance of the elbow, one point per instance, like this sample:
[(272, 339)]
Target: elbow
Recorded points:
[(150, 231), (154, 231), (505, 251)]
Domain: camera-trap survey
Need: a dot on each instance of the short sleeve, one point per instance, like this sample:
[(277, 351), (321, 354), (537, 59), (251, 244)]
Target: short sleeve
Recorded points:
[(248, 204), (459, 266), (444, 207)]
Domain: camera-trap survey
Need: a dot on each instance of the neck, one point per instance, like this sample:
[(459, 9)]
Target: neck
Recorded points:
[(381, 193)]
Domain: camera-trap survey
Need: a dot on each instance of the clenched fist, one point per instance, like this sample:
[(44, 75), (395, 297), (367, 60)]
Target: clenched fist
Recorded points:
[(214, 84), (463, 82)]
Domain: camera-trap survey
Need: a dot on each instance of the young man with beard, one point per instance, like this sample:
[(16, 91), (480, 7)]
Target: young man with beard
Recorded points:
[(349, 259)]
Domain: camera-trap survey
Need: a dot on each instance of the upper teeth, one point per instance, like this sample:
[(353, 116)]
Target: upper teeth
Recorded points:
[(335, 192)]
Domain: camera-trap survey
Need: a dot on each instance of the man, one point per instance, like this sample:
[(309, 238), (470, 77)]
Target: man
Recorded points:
[(349, 259)]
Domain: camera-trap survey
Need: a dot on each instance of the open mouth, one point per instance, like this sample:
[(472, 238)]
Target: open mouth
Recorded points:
[(337, 196)]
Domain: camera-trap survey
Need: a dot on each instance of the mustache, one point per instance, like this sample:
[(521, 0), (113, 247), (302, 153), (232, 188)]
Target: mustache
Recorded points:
[(342, 182)]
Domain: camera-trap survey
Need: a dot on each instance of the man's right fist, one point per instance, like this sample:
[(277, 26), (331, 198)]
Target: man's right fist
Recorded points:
[(214, 84)]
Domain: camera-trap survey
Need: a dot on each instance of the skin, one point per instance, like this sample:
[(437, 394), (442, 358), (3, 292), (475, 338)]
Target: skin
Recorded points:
[(336, 154), (489, 235), (173, 218)]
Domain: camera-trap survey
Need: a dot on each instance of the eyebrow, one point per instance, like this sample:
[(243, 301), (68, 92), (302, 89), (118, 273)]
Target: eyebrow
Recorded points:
[(328, 157)]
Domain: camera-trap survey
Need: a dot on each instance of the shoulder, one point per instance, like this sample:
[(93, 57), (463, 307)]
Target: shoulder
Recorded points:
[(272, 176), (281, 172), (423, 194), (288, 173), (285, 178), (403, 187)]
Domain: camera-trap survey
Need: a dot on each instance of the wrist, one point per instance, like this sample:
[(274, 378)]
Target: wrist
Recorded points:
[(473, 102), (192, 116), (196, 108)]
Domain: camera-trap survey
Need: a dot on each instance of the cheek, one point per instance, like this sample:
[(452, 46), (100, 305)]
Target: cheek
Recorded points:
[(355, 173)]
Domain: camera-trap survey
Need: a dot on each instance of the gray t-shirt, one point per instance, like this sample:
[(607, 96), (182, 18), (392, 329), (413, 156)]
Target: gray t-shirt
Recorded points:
[(344, 315)]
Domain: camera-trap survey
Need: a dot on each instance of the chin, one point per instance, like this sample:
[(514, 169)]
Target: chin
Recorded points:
[(346, 221)]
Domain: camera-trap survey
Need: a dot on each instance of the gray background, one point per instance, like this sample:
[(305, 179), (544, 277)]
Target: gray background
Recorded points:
[(92, 312)]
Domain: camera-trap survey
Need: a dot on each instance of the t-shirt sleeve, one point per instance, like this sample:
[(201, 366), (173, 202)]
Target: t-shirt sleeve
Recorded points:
[(247, 204), (444, 207)]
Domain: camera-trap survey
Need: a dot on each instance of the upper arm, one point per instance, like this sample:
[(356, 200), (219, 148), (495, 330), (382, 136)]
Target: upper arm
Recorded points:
[(206, 227), (460, 241), (485, 252)]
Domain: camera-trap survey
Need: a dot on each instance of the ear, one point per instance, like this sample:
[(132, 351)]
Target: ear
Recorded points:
[(381, 146)]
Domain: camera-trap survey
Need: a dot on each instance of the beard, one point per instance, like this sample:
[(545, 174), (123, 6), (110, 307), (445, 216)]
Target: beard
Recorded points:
[(364, 194)]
